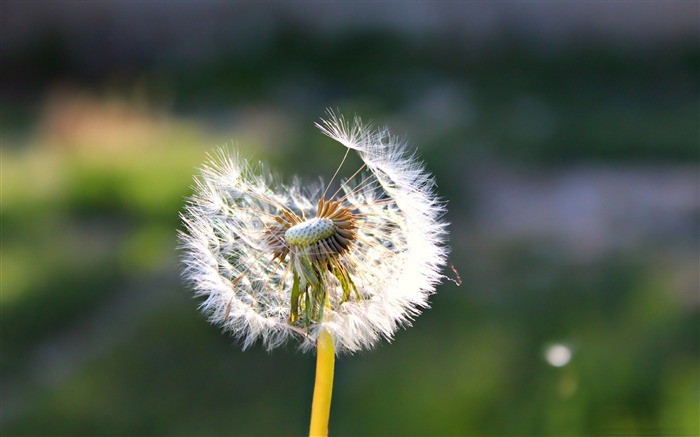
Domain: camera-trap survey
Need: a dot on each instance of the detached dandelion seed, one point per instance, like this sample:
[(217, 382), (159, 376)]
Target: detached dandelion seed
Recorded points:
[(337, 271)]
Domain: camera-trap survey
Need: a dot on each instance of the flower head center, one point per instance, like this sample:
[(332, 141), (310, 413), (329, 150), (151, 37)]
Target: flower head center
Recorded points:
[(310, 232)]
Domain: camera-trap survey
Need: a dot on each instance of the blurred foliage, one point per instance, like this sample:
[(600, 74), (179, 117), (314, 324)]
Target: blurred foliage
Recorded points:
[(99, 337)]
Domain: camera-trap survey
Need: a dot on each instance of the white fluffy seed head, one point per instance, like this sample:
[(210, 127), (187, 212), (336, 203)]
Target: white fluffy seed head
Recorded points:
[(309, 232), (376, 248)]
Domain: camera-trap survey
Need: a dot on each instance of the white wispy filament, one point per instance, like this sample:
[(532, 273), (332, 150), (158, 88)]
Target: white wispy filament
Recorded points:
[(277, 261)]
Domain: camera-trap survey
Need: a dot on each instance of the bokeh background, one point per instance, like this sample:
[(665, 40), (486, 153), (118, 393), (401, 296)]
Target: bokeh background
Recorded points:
[(563, 134)]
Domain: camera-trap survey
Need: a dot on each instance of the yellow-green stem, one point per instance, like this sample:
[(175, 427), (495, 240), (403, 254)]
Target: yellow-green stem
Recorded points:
[(323, 388)]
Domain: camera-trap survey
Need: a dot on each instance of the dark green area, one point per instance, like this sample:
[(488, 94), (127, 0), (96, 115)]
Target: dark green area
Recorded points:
[(599, 102)]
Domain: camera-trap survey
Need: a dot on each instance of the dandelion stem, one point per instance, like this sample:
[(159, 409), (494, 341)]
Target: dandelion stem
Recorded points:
[(323, 388)]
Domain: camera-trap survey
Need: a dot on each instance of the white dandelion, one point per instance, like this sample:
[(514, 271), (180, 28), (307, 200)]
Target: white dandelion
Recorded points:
[(276, 261), (339, 271)]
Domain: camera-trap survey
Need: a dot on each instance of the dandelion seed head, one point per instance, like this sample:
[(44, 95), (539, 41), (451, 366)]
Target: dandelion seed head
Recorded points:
[(274, 261)]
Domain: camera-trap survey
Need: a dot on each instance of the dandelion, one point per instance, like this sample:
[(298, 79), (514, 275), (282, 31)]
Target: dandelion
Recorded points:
[(339, 271)]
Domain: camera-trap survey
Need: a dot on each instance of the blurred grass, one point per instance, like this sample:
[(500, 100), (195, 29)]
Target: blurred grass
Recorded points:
[(89, 201), (88, 224)]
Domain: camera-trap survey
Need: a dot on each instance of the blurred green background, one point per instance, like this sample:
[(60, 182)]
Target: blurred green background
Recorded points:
[(563, 134)]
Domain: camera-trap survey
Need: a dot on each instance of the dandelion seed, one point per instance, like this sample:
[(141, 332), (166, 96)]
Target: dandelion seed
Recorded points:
[(277, 261)]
